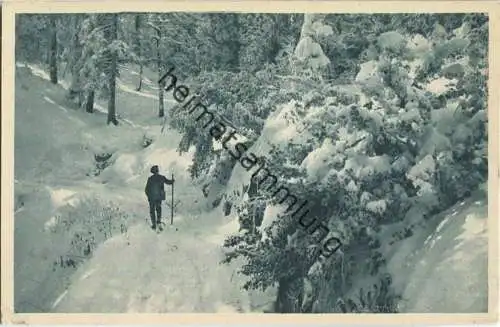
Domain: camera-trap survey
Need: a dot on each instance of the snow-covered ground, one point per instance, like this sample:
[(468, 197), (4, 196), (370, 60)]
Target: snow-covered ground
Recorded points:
[(443, 267), (146, 272)]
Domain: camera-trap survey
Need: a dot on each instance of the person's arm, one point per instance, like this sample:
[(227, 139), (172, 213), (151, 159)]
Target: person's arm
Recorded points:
[(148, 187), (168, 181)]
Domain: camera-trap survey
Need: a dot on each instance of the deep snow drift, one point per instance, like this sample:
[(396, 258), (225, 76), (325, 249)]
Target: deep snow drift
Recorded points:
[(443, 268)]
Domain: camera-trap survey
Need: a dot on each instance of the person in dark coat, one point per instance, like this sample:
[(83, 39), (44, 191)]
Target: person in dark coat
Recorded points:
[(155, 192)]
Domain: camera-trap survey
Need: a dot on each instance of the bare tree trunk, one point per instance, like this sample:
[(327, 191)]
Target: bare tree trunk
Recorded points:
[(89, 105), (141, 69), (75, 89), (279, 20), (138, 48), (113, 35), (295, 291), (161, 110), (290, 295), (53, 49)]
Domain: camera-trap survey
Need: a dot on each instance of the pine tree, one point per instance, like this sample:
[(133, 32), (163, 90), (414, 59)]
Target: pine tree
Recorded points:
[(53, 48), (138, 47), (225, 35), (156, 25), (98, 68), (111, 54), (372, 153), (89, 73), (74, 62)]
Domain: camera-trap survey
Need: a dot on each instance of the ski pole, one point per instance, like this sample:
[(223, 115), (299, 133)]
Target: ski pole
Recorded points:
[(172, 203)]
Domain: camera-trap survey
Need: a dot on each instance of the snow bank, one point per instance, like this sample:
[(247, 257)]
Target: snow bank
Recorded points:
[(124, 168), (224, 231), (126, 164), (432, 268)]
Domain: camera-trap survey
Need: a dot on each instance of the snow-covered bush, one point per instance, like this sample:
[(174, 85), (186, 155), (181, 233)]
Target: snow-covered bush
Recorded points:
[(102, 161), (374, 151), (147, 140), (379, 298), (391, 41), (80, 229)]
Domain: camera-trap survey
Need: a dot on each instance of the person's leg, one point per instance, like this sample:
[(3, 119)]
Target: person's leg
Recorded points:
[(152, 213), (158, 212)]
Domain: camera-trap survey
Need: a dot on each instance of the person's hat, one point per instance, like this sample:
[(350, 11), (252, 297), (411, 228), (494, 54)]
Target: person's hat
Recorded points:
[(154, 169)]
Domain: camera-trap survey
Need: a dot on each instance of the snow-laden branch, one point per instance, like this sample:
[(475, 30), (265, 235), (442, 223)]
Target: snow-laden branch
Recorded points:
[(155, 27)]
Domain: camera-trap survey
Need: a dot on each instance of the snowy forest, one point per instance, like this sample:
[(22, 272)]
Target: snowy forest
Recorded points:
[(378, 120)]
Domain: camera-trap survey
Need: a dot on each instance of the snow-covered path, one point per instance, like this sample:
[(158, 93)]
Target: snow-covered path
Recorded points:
[(155, 273)]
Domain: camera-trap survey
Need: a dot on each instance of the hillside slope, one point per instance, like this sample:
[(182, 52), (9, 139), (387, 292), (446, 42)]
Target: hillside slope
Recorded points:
[(446, 270)]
